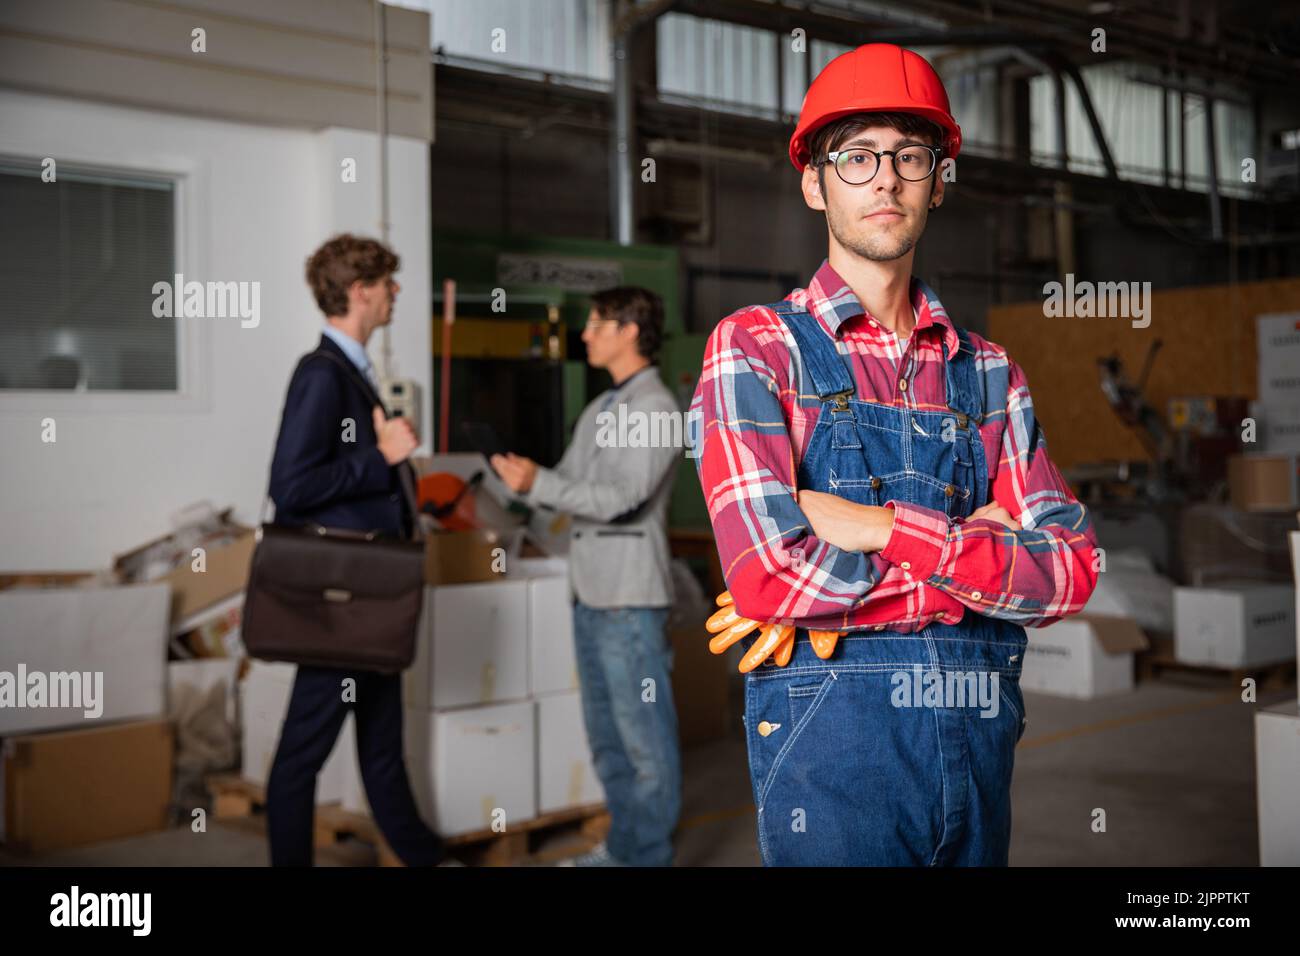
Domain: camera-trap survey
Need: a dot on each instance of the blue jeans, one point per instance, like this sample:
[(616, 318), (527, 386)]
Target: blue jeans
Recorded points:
[(631, 726)]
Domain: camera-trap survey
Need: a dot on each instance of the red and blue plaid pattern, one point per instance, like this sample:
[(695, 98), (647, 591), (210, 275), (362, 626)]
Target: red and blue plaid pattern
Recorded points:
[(753, 429)]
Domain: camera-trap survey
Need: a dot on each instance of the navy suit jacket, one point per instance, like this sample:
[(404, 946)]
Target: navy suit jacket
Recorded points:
[(317, 476)]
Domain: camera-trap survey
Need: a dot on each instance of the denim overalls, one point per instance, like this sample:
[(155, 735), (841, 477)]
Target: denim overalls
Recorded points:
[(898, 749)]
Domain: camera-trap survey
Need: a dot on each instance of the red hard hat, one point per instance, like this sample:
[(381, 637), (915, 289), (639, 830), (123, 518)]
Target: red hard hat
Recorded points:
[(878, 77)]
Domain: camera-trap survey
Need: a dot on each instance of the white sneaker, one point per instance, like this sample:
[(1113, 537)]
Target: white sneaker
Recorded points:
[(598, 855)]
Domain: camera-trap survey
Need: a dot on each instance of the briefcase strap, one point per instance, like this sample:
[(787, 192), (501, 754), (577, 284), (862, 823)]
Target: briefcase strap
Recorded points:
[(404, 471)]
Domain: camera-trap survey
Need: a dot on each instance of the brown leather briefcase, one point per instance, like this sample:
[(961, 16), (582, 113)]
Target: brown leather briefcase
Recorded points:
[(329, 597), (334, 597)]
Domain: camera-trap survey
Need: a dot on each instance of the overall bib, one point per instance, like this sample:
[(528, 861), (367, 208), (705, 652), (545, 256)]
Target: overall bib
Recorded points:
[(858, 760)]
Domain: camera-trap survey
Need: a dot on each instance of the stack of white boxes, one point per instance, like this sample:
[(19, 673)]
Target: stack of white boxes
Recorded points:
[(1277, 412), (1235, 624), (494, 730), (565, 775), (1277, 340), (264, 700)]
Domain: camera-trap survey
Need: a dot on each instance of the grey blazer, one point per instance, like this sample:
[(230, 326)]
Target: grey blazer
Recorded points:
[(605, 473)]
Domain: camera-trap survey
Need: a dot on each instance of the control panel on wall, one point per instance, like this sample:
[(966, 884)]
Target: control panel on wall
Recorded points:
[(402, 396)]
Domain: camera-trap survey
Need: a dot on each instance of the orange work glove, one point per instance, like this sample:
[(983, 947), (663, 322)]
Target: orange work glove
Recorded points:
[(774, 640)]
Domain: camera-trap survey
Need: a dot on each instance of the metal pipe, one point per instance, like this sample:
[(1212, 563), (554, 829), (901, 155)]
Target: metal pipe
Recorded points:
[(1164, 135), (624, 31), (1182, 139), (1098, 134), (620, 169), (1212, 167), (381, 123)]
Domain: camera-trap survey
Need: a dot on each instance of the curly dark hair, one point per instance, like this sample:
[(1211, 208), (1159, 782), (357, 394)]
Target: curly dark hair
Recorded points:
[(629, 303), (343, 260)]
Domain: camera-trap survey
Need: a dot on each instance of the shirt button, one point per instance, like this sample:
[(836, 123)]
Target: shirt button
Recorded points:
[(902, 385), (976, 595), (880, 627), (938, 615), (907, 566), (392, 497), (874, 323)]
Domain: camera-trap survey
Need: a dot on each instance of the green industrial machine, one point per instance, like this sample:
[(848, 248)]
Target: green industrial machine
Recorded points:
[(517, 355)]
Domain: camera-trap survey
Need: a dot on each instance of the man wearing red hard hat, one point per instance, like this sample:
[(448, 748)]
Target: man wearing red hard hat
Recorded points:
[(886, 513)]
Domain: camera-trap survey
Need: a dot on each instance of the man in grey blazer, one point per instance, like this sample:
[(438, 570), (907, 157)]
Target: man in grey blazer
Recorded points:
[(614, 480)]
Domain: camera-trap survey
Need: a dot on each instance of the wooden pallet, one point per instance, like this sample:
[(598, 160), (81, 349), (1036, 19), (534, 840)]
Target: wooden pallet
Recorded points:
[(233, 797), (520, 844), (1159, 661), (236, 798)]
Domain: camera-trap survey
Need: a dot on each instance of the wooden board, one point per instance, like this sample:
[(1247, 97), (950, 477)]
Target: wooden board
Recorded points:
[(1209, 349)]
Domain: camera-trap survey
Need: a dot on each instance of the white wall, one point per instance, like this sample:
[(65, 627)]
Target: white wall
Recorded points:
[(254, 202)]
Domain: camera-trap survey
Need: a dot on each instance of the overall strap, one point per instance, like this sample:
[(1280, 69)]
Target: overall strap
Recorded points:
[(821, 362), (961, 378)]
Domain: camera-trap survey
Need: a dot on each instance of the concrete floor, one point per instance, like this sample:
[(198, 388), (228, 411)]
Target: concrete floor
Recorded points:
[(1172, 764)]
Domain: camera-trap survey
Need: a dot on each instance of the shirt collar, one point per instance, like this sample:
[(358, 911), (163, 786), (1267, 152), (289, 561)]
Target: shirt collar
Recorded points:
[(623, 384), (354, 350), (829, 298)]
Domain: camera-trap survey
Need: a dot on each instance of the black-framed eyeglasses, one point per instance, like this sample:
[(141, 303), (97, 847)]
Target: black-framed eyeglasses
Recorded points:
[(859, 165)]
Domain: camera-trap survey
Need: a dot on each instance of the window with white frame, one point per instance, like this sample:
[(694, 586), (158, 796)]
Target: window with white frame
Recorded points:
[(79, 256)]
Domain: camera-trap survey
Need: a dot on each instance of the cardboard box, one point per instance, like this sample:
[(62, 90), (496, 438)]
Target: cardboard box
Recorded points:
[(225, 571), (116, 635), (565, 774), (553, 662), (472, 647), (1084, 656), (264, 694), (702, 684), (76, 787), (1277, 775), (1263, 482), (1234, 624), (1277, 428), (1277, 341), (51, 579), (1218, 543), (472, 767), (462, 557)]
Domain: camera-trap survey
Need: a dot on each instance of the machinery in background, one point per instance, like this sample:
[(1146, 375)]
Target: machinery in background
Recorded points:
[(1189, 444), (517, 361)]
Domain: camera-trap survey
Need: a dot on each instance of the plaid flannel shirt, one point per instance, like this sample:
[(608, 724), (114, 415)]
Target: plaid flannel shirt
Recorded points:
[(752, 429)]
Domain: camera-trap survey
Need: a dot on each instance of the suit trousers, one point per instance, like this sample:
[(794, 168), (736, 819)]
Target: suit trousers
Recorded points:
[(317, 709)]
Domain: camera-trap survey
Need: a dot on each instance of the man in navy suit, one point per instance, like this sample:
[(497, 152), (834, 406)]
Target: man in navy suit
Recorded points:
[(342, 463)]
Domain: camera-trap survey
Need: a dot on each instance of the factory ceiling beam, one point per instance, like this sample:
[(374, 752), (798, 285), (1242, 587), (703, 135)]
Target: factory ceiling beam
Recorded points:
[(1260, 54)]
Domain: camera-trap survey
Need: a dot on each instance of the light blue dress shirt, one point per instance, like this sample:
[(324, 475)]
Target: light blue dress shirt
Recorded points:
[(356, 353)]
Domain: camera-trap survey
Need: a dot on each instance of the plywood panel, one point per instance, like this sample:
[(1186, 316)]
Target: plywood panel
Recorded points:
[(1208, 336)]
